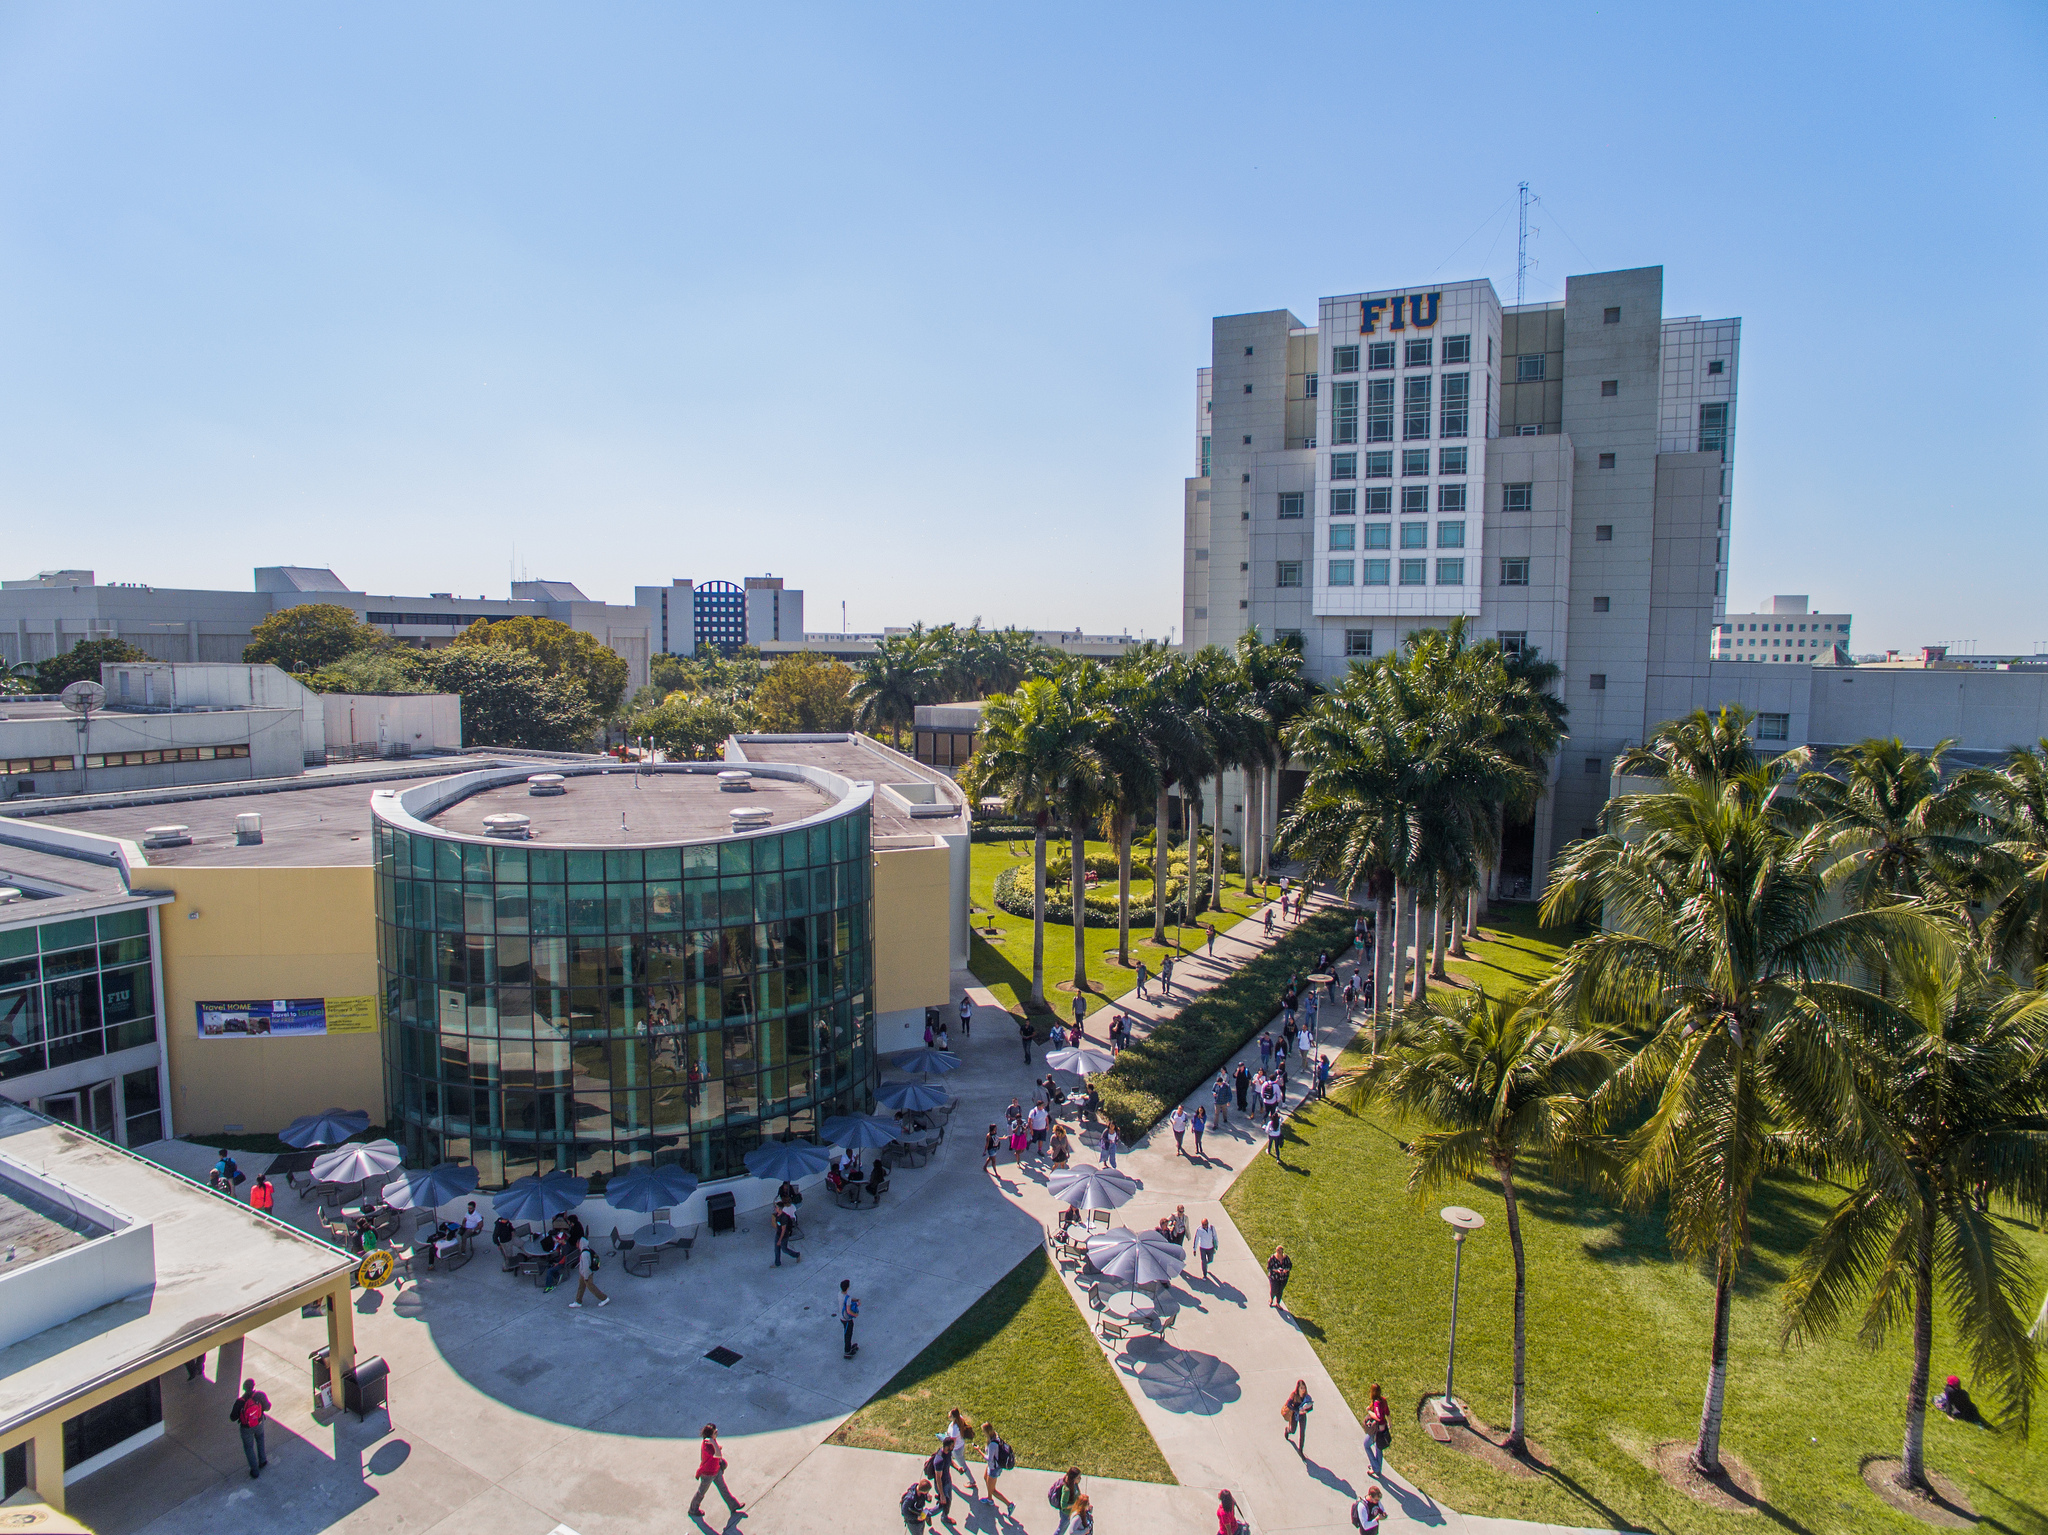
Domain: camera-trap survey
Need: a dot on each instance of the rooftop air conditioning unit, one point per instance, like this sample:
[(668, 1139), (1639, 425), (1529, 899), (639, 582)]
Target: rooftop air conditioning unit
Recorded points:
[(751, 819), (9, 895), (248, 829), (509, 825), (546, 783), (736, 781), (167, 836)]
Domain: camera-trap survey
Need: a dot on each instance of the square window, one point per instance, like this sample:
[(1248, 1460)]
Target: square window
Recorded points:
[(1414, 461), (1607, 461), (1287, 573), (1374, 573), (1415, 394), (1603, 533), (1415, 572), (1773, 727), (1529, 429), (1716, 368), (1379, 535), (1450, 535), (1247, 439), (1379, 354), (1450, 461), (1291, 502), (1247, 351), (1513, 641), (1592, 765), (1343, 359), (1514, 571), (1450, 498), (1457, 349), (1379, 466), (1414, 498), (1344, 535), (1609, 388), (1343, 466), (1597, 682), (1358, 642), (1340, 573), (1379, 500), (1529, 368), (1344, 503), (1450, 572), (1247, 388), (1414, 535), (1518, 497), (1602, 604), (1419, 354), (1611, 315)]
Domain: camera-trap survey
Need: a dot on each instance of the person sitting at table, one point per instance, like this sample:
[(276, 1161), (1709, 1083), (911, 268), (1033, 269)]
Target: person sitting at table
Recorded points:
[(503, 1233), (561, 1255), (789, 1194), (1069, 1215), (878, 1181), (472, 1221)]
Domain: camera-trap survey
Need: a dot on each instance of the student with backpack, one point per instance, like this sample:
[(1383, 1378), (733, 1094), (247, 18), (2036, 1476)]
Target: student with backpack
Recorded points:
[(997, 1457), (915, 1505), (1367, 1516), (938, 1470), (247, 1415), (848, 1309), (1229, 1521), (1063, 1494)]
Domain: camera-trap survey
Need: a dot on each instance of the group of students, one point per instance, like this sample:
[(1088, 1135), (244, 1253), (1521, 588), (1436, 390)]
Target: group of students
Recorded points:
[(846, 1172), (959, 1449), (568, 1246)]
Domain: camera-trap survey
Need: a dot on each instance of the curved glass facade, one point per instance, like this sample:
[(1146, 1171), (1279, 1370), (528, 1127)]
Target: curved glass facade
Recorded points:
[(592, 1008)]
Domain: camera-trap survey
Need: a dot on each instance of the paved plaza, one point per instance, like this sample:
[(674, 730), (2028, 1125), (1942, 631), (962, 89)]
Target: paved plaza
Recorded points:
[(512, 1414)]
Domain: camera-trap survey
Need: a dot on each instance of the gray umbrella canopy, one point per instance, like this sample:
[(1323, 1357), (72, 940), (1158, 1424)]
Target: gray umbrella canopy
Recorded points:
[(789, 1160), (352, 1164), (1182, 1381), (1139, 1257), (1081, 1060), (431, 1189), (541, 1199), (856, 1130), (647, 1189), (1091, 1188), (912, 1095), (925, 1061), (328, 1129)]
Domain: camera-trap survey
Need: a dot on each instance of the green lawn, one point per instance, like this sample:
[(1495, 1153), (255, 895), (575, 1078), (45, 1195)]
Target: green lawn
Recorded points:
[(1516, 952), (1618, 1336), (1003, 964), (1022, 1358)]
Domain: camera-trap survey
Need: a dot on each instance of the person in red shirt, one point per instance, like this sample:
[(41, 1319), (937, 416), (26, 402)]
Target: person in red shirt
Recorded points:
[(711, 1473), (261, 1195)]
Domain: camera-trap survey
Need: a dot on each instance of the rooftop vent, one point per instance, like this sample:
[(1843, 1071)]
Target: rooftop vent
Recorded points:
[(546, 783), (509, 824), (167, 836), (9, 895), (750, 819), (736, 781), (248, 829)]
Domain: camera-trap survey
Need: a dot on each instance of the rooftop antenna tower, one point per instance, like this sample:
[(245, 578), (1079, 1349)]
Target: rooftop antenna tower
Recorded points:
[(1522, 247)]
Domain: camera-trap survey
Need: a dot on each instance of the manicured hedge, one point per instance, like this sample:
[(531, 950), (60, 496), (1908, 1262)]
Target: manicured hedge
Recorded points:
[(1163, 1067), (1012, 893)]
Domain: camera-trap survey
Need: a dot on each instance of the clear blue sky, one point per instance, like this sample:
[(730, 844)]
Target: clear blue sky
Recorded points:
[(903, 303)]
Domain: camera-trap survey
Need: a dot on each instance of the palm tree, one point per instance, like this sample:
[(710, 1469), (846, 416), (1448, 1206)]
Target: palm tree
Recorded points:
[(1131, 778), (1895, 831), (1279, 689), (1079, 789), (891, 683), (1718, 958), (1499, 1081), (1949, 1110), (1532, 727), (1704, 747), (2014, 799), (1224, 718)]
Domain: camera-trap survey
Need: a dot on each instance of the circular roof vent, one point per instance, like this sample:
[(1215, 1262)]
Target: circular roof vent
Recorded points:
[(736, 781), (508, 823), (750, 819), (167, 836), (546, 783)]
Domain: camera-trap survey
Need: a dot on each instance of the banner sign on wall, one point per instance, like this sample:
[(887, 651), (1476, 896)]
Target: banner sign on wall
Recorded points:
[(296, 1017)]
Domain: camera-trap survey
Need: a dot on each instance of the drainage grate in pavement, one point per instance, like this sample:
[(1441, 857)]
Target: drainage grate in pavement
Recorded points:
[(723, 1355)]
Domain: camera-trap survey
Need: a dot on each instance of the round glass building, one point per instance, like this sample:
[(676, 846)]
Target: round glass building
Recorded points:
[(623, 966)]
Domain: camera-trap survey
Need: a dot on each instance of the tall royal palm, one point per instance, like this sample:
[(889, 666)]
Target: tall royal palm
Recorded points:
[(1895, 830), (1079, 790), (1498, 1082), (1131, 778), (1718, 957), (1278, 688), (1949, 1111), (890, 684), (2014, 799), (1224, 716)]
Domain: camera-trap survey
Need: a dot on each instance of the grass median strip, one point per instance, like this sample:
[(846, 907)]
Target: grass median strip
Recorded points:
[(994, 1364)]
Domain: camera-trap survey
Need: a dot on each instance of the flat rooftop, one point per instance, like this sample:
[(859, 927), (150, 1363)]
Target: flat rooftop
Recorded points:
[(859, 758), (216, 1261), (53, 885), (629, 808), (32, 1227)]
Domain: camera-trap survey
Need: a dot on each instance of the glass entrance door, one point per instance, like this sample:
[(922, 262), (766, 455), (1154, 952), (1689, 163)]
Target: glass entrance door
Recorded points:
[(90, 1108)]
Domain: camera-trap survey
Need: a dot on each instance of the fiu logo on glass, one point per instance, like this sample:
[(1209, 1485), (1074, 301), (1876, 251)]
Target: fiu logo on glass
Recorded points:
[(1416, 309)]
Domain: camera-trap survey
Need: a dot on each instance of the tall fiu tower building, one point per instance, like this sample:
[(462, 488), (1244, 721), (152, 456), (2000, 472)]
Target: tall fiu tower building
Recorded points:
[(1556, 474)]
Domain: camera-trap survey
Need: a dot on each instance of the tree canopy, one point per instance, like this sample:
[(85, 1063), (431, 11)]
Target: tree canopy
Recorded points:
[(310, 635), (82, 662), (804, 693), (598, 671), (510, 699)]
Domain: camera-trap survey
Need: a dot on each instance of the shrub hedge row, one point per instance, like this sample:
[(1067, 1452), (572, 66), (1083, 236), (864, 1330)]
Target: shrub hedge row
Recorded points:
[(1163, 1067), (1012, 893)]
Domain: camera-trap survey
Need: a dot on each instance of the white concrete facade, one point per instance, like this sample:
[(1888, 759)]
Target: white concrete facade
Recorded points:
[(1782, 631)]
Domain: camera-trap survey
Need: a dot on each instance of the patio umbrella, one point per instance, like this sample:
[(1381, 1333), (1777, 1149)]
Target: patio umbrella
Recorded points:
[(541, 1199), (789, 1160), (925, 1061), (353, 1164), (328, 1129), (912, 1095), (1137, 1257), (648, 1189), (1182, 1381), (1091, 1188), (856, 1130), (431, 1189), (1081, 1060)]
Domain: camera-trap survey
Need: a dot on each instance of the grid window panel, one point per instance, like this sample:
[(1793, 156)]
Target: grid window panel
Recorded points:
[(1379, 410), (1414, 498), (1344, 503), (1291, 503), (1514, 641), (1379, 354), (1358, 642), (1518, 498), (1287, 573), (1374, 573), (1450, 535), (1457, 403), (1414, 461), (1378, 535), (1457, 349), (1450, 461), (1379, 466), (1714, 427), (1419, 353), (1415, 396), (1379, 500), (1344, 412), (1514, 571), (1343, 359), (1415, 572), (1343, 466), (1529, 368), (1450, 498), (1341, 573), (1344, 536), (1450, 572), (1414, 535)]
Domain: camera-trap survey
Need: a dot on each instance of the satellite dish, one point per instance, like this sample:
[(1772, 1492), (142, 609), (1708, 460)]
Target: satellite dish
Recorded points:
[(82, 697)]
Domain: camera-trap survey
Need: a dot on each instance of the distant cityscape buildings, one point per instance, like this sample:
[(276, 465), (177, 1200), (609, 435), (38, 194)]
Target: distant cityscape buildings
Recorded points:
[(1785, 631)]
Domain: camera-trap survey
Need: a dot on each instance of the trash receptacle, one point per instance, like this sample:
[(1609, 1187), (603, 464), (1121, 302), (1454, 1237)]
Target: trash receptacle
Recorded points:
[(363, 1388), (718, 1212), (323, 1379)]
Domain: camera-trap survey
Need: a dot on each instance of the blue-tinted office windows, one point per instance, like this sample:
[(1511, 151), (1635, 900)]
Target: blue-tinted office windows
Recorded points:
[(1450, 535), (1450, 498), (1378, 535), (1373, 573), (1414, 535), (1344, 536), (1415, 572), (1379, 500), (1457, 349), (1379, 466), (1344, 503), (1450, 572), (1450, 461)]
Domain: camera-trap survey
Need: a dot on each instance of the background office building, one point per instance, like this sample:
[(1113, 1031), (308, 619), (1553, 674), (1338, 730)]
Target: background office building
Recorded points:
[(1556, 474), (1784, 632), (685, 617)]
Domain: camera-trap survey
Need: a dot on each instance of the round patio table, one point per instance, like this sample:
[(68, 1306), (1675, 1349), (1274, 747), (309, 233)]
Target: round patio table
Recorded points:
[(654, 1236), (1129, 1306)]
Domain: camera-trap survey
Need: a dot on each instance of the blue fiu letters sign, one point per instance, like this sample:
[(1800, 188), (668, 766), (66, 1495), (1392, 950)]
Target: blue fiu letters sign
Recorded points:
[(1419, 309)]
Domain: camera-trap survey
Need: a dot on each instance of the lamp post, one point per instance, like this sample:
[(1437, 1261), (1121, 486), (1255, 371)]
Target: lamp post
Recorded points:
[(1460, 1220)]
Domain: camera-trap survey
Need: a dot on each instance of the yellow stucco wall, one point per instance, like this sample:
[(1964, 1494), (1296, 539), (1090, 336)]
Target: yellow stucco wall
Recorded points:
[(261, 934), (913, 925)]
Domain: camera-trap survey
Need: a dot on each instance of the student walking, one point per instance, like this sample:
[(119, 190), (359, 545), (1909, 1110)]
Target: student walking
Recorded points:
[(1064, 1494), (1210, 929), (1166, 976), (966, 1018), (996, 1458), (1379, 1432), (1279, 1268), (1367, 1516), (958, 1441), (847, 1311), (915, 1505), (1025, 1034), (261, 1195), (248, 1413), (1228, 1520), (1084, 1517), (1294, 1413), (988, 1150), (1201, 1123), (1040, 1122), (1275, 1133), (1144, 980), (711, 1473), (586, 1265), (1322, 1076), (938, 1470), (1205, 1244), (1178, 1123), (1269, 922), (1080, 1017), (1017, 1140), (785, 1233), (1109, 1146), (1265, 1051), (1244, 1085)]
